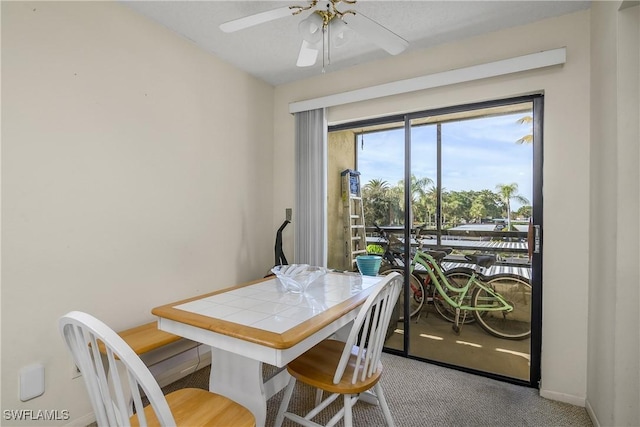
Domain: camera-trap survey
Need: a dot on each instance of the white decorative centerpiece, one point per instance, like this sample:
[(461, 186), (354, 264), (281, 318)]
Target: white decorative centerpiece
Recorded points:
[(296, 278)]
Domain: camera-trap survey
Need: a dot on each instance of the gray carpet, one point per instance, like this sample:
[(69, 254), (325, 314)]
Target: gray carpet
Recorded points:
[(420, 394)]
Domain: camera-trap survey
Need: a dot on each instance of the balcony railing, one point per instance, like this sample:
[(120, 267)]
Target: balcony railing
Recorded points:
[(510, 246)]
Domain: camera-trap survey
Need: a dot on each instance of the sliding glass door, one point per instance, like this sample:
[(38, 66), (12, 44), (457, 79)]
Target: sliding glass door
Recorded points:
[(458, 181)]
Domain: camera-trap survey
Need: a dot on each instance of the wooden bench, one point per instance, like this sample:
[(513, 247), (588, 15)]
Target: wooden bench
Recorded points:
[(168, 357), (145, 338)]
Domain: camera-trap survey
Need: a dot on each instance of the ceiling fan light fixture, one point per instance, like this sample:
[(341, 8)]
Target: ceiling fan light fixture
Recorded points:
[(310, 28), (341, 34), (325, 28)]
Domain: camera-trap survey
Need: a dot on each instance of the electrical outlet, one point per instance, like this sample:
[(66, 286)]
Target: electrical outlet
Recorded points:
[(31, 381), (75, 372), (288, 212)]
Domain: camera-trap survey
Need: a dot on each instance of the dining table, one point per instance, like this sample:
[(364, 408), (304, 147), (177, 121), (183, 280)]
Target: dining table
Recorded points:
[(262, 322)]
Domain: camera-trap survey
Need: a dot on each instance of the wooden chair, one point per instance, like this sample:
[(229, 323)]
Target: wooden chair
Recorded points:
[(84, 334), (347, 368)]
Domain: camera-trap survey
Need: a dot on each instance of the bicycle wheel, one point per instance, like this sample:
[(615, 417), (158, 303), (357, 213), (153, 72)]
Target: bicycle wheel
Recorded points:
[(514, 324), (416, 292), (457, 277)]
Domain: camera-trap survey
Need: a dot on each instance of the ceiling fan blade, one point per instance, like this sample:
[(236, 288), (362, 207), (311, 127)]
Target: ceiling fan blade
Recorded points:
[(258, 18), (370, 29), (308, 54)]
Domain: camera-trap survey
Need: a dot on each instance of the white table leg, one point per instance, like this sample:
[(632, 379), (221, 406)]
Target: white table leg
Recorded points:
[(239, 378), (276, 383)]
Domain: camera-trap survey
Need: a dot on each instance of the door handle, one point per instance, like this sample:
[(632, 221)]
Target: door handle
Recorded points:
[(536, 239), (533, 239)]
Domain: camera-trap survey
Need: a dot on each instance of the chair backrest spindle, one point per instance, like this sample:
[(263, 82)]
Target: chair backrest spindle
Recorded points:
[(83, 333), (369, 330)]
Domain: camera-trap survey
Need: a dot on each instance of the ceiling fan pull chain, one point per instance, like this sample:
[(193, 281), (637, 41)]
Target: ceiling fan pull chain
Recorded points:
[(329, 44), (324, 46)]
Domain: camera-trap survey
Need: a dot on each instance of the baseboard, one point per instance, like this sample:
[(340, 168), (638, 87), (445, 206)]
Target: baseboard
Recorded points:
[(592, 414), (562, 397)]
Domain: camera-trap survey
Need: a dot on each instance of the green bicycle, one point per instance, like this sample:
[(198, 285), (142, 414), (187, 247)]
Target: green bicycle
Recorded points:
[(500, 304)]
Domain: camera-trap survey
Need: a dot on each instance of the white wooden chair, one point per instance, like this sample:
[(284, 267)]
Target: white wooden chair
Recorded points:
[(347, 368), (84, 334)]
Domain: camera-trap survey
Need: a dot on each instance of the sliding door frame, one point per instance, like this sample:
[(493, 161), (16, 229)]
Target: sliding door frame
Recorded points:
[(537, 101)]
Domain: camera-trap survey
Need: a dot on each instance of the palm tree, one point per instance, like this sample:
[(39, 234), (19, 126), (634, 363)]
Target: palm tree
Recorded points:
[(418, 190), (376, 193), (506, 193), (429, 201), (478, 210), (449, 209), (423, 205), (377, 186), (527, 139), (396, 203)]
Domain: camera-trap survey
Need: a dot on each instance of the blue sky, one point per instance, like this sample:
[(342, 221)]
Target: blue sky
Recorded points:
[(477, 154)]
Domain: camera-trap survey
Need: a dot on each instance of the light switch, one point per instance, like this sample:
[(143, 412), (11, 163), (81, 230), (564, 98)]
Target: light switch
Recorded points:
[(31, 381)]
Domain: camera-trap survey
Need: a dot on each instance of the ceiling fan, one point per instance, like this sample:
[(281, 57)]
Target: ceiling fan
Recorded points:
[(325, 26)]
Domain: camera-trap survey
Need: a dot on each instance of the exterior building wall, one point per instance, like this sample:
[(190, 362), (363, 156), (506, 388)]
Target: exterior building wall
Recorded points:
[(341, 156)]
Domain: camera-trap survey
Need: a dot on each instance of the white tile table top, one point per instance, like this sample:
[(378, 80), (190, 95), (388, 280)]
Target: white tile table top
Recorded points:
[(269, 307)]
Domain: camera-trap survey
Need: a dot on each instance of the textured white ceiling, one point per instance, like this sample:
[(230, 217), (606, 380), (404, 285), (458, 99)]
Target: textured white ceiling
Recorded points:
[(269, 51)]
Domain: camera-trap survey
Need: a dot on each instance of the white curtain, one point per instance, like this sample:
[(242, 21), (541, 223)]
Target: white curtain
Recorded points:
[(311, 188)]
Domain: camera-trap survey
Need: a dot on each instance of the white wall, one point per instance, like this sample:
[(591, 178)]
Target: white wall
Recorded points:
[(136, 170), (613, 387), (566, 167)]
